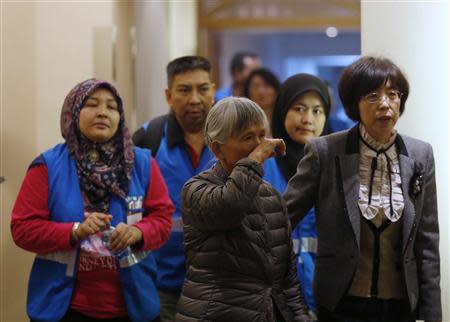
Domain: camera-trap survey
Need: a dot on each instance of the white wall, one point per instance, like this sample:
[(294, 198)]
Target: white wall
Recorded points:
[(18, 145), (165, 30), (152, 56), (182, 28), (64, 56), (415, 35)]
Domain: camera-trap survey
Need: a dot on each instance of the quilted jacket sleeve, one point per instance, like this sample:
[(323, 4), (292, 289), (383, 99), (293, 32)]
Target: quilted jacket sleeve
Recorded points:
[(208, 204)]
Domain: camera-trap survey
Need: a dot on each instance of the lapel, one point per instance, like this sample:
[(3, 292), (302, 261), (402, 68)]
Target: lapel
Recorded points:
[(406, 173), (348, 168), (348, 164)]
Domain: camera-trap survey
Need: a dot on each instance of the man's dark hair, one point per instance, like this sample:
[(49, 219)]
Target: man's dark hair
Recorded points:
[(237, 62), (186, 64), (366, 75)]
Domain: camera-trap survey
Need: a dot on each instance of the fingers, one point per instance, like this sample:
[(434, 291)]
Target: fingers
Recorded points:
[(119, 237), (93, 223), (268, 148), (276, 146), (98, 223), (124, 236), (104, 218), (280, 148)]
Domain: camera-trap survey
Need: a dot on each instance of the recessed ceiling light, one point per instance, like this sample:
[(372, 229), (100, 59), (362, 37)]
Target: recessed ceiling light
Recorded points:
[(332, 32)]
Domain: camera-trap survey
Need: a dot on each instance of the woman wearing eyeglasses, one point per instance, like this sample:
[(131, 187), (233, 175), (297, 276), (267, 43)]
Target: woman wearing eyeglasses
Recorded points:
[(374, 195)]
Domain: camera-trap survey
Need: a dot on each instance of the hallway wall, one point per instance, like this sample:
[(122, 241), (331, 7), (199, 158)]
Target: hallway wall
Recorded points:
[(45, 50), (415, 35), (164, 31)]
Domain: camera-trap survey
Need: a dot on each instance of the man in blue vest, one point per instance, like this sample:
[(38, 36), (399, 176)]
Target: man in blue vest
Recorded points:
[(177, 143)]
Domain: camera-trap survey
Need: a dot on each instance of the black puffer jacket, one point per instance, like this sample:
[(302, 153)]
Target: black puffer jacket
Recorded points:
[(238, 247)]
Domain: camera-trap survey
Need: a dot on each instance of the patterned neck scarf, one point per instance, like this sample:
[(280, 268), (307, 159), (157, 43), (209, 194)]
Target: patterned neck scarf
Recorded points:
[(109, 172)]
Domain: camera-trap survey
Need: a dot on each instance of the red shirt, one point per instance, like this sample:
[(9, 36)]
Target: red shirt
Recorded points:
[(195, 158), (97, 291)]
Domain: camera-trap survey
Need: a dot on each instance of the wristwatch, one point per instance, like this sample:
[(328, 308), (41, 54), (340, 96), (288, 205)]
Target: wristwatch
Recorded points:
[(73, 235)]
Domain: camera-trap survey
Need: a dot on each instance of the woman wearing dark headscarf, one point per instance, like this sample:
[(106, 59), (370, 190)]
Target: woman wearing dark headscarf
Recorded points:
[(300, 113), (92, 208)]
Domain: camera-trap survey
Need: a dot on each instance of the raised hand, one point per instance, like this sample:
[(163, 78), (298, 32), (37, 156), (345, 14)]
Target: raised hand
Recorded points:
[(268, 148)]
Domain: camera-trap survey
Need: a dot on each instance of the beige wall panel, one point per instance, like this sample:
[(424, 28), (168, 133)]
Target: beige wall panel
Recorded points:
[(103, 52), (152, 56), (64, 56), (18, 145), (124, 67), (46, 48)]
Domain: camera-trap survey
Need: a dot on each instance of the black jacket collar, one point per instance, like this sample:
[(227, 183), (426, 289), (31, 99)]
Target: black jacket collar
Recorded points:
[(175, 134)]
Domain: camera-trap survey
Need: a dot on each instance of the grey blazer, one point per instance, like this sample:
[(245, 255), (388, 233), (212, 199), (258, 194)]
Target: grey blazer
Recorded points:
[(327, 178)]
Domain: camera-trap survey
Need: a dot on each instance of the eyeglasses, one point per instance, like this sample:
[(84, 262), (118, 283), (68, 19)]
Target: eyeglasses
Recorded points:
[(392, 96)]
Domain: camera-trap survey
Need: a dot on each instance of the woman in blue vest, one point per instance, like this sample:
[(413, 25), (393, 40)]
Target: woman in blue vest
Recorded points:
[(301, 112), (92, 209)]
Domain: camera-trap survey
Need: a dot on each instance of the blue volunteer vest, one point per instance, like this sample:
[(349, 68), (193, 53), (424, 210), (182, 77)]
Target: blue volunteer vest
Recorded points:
[(53, 275), (176, 168), (304, 236)]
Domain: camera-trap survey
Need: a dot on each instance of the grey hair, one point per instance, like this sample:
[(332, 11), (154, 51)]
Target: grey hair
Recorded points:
[(230, 116)]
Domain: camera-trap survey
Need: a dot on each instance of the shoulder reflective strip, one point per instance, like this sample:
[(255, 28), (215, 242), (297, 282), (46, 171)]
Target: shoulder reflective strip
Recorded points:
[(66, 257), (309, 245), (133, 258), (177, 225)]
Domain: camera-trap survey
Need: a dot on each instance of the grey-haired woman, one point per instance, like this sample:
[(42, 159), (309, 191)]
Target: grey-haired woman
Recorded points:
[(240, 264)]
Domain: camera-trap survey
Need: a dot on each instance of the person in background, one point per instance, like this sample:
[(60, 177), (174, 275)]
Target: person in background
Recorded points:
[(262, 87), (92, 209), (374, 193), (300, 114), (178, 145), (237, 235), (241, 65)]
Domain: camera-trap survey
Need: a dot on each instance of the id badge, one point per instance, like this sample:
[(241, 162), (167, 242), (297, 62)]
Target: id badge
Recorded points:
[(134, 209)]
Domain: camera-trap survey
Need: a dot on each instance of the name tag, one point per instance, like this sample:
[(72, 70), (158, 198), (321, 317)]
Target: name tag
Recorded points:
[(134, 213), (134, 218)]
